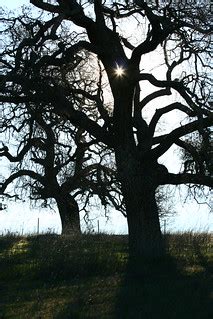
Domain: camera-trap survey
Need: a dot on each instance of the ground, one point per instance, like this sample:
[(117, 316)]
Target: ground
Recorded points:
[(52, 276)]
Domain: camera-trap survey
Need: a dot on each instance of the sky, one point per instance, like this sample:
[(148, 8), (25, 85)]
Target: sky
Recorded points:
[(13, 4), (23, 219)]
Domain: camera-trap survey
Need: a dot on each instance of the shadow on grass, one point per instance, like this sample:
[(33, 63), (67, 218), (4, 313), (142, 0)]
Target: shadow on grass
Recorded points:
[(161, 290), (202, 258), (91, 278)]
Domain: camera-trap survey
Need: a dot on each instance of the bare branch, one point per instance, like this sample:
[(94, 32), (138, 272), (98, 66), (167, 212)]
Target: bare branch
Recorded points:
[(177, 179), (153, 96), (18, 174), (166, 141), (46, 6), (160, 112)]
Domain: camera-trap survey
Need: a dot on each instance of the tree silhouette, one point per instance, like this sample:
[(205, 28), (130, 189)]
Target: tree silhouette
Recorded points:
[(67, 30), (54, 161)]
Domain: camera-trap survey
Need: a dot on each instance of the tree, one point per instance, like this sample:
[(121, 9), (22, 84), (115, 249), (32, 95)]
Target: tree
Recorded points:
[(180, 32), (53, 158), (197, 153), (53, 161)]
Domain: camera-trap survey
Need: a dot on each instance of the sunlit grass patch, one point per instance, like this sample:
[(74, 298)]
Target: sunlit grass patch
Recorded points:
[(19, 247), (194, 269)]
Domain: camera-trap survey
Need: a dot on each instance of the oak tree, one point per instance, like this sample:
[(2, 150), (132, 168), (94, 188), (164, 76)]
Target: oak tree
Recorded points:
[(180, 35)]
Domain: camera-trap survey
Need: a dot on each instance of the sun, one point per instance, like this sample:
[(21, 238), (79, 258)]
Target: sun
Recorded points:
[(119, 71)]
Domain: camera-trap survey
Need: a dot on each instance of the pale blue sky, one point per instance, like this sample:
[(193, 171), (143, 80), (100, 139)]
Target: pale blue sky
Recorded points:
[(22, 218), (13, 3)]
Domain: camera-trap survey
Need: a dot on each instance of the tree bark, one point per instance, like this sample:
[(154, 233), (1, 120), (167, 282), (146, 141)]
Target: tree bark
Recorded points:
[(145, 238), (139, 177), (139, 184), (69, 214)]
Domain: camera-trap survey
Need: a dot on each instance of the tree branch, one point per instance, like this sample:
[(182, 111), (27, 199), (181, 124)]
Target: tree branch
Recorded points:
[(177, 179), (5, 152), (18, 174), (153, 96), (62, 106), (161, 28), (99, 12), (166, 109), (167, 140), (45, 6), (195, 154), (176, 85)]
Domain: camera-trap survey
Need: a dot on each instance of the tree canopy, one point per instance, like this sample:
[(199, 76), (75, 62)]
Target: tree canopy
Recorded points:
[(37, 69)]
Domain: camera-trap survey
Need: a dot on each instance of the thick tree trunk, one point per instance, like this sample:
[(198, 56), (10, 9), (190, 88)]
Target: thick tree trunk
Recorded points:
[(145, 239), (138, 175), (139, 185), (69, 214)]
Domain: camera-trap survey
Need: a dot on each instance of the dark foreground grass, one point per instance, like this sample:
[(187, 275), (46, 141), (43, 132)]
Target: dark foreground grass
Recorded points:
[(91, 277)]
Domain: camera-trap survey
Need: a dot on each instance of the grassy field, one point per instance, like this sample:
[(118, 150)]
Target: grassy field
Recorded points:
[(90, 277)]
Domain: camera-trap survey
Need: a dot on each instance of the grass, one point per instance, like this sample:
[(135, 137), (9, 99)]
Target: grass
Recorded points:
[(50, 276)]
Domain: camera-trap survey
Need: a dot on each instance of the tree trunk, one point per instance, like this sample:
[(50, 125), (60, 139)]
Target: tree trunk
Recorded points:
[(139, 185), (145, 239), (69, 214)]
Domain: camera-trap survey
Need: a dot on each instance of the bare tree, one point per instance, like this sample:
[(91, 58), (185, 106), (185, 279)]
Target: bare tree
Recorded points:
[(181, 32), (54, 161), (197, 153)]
